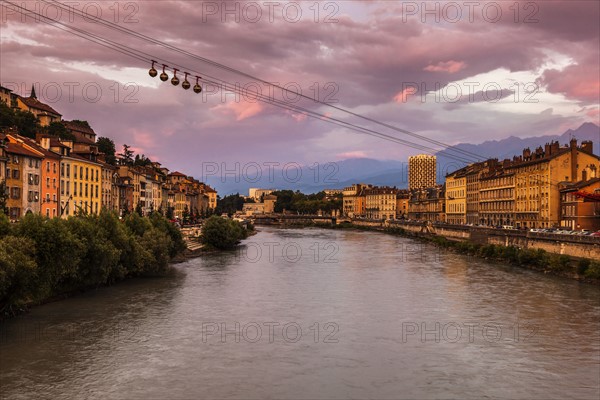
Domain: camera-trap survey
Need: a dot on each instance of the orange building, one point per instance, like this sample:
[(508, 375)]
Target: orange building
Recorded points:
[(50, 178), (580, 205)]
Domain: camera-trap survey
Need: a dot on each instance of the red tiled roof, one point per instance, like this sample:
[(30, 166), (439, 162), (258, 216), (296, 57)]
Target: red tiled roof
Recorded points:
[(37, 147), (177, 173), (16, 148), (54, 142), (35, 103)]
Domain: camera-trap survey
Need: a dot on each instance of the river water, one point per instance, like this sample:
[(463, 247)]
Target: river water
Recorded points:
[(319, 314)]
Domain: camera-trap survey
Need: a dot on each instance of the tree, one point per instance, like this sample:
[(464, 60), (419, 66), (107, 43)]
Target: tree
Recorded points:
[(81, 123), (26, 123), (186, 215), (107, 146), (7, 116), (139, 210), (170, 213), (230, 204), (222, 233), (142, 160), (126, 155), (59, 130), (3, 197)]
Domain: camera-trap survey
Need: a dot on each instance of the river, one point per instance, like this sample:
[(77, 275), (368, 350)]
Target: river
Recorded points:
[(313, 313)]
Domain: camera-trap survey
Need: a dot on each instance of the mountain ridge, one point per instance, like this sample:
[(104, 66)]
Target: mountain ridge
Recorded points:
[(395, 172)]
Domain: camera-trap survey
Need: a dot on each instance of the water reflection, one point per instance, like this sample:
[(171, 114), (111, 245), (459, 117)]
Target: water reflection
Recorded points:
[(340, 314)]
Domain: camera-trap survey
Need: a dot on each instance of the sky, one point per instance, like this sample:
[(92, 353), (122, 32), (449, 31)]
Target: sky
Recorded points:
[(449, 71)]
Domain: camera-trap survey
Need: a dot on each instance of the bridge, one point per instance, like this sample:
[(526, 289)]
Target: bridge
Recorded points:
[(277, 219)]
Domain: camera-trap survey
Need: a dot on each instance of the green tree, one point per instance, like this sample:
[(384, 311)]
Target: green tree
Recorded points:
[(5, 226), (59, 130), (17, 273), (142, 160), (52, 237), (27, 124), (139, 210), (170, 213), (24, 122), (3, 197), (127, 155), (177, 243), (230, 204), (81, 123), (7, 116), (222, 233), (107, 146), (186, 215)]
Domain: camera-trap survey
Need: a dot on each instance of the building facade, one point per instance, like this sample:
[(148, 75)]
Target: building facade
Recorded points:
[(580, 205), (456, 197), (422, 171)]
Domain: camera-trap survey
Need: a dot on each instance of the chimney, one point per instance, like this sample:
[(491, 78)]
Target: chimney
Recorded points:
[(45, 142), (539, 151), (554, 147), (587, 146), (547, 150), (526, 154)]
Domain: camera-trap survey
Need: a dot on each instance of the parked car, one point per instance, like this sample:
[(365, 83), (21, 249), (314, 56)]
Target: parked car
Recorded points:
[(596, 234)]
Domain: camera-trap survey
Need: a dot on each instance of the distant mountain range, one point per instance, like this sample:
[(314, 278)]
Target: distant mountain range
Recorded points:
[(507, 148), (395, 172)]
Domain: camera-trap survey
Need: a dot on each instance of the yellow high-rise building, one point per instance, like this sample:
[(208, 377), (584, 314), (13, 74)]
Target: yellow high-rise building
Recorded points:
[(421, 171)]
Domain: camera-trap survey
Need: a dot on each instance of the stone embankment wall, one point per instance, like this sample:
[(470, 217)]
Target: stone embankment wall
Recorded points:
[(571, 245)]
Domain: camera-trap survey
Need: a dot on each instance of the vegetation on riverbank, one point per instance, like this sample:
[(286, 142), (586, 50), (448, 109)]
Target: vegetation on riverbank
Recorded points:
[(43, 258), (223, 233), (536, 259)]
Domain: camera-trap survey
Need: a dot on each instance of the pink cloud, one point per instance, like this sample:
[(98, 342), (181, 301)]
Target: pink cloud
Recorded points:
[(402, 97), (577, 81), (450, 67), (594, 114), (241, 109), (298, 117), (352, 154)]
